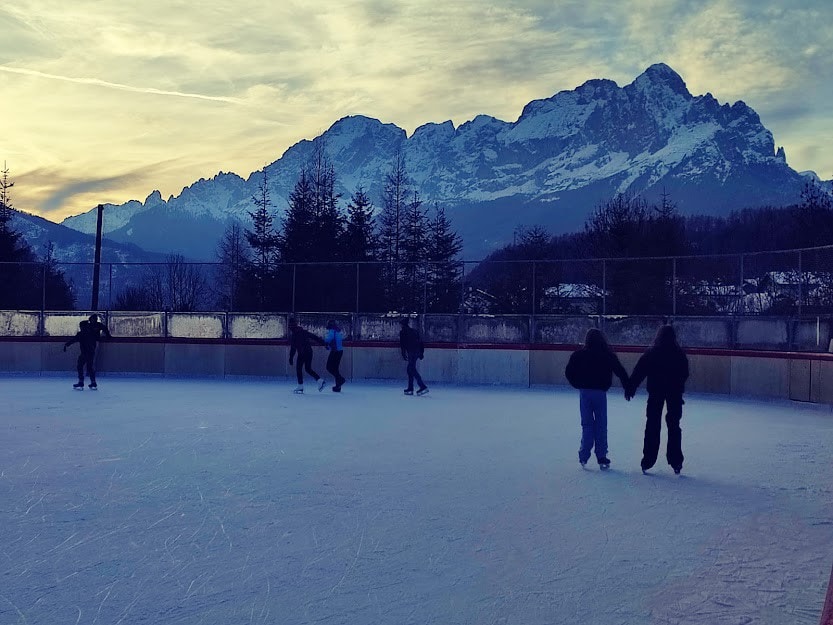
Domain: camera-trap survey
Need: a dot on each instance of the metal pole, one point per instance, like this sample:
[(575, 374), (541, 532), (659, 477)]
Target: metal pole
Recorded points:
[(294, 271), (604, 287), (425, 294), (43, 288), (674, 286), (97, 265), (800, 283), (534, 266), (463, 289), (357, 288)]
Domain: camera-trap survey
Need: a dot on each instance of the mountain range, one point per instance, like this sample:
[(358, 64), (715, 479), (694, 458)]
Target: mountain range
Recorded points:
[(551, 167)]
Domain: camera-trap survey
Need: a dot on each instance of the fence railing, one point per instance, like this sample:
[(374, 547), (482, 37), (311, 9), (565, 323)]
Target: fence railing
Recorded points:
[(790, 282)]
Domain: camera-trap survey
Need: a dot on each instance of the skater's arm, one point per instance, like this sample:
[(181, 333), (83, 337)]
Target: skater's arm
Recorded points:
[(570, 371), (314, 338), (74, 339), (106, 331), (619, 370), (639, 372)]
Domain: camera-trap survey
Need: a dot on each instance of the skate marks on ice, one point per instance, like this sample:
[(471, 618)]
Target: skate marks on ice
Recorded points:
[(222, 502)]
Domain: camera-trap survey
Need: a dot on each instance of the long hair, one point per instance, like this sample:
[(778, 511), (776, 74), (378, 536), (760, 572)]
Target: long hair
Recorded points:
[(595, 340), (666, 338)]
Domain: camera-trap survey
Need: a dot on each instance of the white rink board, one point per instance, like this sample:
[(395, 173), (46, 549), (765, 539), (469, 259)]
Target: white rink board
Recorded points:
[(235, 501)]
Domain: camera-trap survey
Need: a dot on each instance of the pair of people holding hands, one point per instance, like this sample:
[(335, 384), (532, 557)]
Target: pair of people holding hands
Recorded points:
[(665, 365)]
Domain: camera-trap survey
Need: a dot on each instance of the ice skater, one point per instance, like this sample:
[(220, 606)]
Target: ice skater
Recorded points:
[(89, 333), (590, 370), (334, 340), (412, 350), (300, 341), (666, 367)]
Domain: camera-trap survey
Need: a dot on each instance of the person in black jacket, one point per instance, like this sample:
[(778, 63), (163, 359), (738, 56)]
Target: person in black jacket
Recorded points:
[(89, 333), (412, 350), (590, 370), (666, 367), (299, 341)]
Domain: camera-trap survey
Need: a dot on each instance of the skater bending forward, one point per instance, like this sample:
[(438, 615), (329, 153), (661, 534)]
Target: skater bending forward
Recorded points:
[(666, 367), (412, 350), (89, 333), (590, 370), (300, 341)]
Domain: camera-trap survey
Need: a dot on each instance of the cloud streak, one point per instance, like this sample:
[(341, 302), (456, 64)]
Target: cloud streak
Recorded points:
[(112, 85)]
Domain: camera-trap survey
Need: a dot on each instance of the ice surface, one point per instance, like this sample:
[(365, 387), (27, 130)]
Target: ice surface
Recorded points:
[(222, 502)]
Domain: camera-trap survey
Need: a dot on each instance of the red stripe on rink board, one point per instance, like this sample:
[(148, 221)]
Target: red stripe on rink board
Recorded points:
[(533, 347)]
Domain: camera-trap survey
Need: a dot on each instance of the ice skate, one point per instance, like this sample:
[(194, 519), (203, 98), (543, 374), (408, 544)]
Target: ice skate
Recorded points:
[(604, 463), (336, 389), (423, 391), (321, 384), (79, 386), (93, 386), (409, 391), (677, 470), (299, 390)]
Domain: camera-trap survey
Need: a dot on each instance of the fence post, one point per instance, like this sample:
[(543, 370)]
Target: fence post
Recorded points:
[(294, 269), (534, 267), (604, 287), (740, 286), (674, 286), (463, 289), (800, 283), (43, 288), (110, 289), (357, 288), (425, 294)]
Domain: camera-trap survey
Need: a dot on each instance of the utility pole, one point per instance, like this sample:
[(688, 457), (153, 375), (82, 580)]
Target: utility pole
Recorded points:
[(97, 265)]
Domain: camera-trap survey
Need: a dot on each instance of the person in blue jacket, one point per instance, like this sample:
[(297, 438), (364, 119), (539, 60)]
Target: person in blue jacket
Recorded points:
[(334, 341)]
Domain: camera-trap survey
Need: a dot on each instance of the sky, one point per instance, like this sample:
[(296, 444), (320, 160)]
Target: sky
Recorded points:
[(105, 100)]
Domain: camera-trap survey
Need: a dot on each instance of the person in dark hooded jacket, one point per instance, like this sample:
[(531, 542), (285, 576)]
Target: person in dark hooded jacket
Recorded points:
[(590, 370), (88, 335), (300, 342), (666, 367)]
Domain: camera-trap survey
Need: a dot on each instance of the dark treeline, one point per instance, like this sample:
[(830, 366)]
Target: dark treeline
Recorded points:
[(322, 257), (628, 227), (26, 281)]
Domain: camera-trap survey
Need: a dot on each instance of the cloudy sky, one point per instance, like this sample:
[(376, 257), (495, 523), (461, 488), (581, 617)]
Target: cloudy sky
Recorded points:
[(106, 100)]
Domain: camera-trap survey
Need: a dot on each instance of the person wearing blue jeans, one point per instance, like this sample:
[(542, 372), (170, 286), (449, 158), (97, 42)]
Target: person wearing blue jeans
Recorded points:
[(590, 370)]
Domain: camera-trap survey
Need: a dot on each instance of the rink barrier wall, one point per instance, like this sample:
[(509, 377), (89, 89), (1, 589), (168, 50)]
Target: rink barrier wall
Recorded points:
[(806, 377)]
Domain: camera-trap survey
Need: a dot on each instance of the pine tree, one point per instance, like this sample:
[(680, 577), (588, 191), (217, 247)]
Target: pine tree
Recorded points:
[(414, 254), (264, 243), (233, 256), (444, 269), (392, 230), (360, 242)]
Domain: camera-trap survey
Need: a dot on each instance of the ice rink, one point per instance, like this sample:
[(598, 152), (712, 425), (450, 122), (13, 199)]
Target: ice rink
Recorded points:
[(234, 501)]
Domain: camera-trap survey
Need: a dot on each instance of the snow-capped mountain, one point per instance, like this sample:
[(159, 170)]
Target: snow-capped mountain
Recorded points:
[(552, 166)]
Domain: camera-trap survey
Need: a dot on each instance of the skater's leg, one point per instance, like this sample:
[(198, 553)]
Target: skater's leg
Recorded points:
[(585, 405), (600, 423), (410, 369), (80, 367), (333, 364), (653, 424), (308, 366), (412, 360), (91, 367), (299, 369), (674, 453)]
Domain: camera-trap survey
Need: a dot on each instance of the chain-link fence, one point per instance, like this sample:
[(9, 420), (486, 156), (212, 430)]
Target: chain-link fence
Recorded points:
[(792, 282)]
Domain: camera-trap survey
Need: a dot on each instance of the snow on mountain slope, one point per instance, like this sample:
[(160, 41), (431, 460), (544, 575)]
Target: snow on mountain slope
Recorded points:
[(551, 165)]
